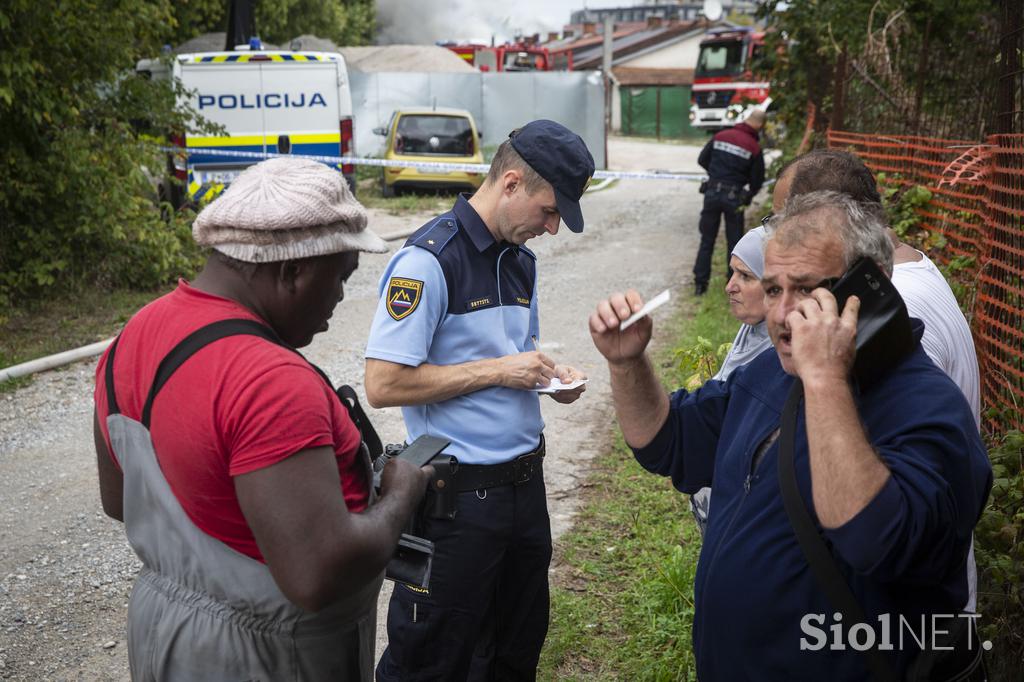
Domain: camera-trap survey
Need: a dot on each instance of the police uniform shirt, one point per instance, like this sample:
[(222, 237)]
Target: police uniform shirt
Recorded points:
[(453, 294)]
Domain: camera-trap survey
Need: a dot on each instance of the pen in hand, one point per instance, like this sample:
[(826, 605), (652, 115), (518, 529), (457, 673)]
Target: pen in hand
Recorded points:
[(536, 346)]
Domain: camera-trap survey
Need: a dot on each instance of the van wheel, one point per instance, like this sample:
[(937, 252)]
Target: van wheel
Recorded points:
[(387, 191)]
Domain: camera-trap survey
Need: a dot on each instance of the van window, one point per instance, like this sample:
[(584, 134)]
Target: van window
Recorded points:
[(434, 135)]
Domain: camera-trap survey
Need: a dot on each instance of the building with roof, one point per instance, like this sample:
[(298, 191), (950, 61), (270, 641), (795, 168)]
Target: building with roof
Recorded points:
[(672, 11), (652, 70)]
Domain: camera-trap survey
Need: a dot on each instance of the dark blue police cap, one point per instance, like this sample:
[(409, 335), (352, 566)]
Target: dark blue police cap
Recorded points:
[(561, 157)]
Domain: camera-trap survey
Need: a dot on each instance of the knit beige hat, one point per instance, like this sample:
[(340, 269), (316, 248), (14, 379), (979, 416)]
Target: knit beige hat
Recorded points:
[(284, 209)]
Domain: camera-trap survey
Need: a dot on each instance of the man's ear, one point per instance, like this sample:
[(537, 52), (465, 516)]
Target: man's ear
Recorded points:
[(288, 273), (511, 181)]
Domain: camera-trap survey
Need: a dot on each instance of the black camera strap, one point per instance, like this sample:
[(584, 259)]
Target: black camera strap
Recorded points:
[(233, 327), (823, 566), (358, 416)]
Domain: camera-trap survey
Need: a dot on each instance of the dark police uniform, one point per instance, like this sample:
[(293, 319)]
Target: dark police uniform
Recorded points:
[(732, 159), (453, 294)]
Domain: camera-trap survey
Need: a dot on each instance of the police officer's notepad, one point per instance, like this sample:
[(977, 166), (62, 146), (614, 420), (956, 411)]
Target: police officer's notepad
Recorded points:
[(556, 385)]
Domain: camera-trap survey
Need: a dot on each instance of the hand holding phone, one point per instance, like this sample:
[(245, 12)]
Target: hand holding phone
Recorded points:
[(821, 341), (884, 336)]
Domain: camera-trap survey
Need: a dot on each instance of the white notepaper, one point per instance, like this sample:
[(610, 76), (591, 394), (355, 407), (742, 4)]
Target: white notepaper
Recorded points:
[(656, 302), (557, 385)]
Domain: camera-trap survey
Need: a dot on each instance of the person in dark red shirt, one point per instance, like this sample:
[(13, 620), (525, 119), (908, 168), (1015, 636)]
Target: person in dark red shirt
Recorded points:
[(240, 477), (735, 169)]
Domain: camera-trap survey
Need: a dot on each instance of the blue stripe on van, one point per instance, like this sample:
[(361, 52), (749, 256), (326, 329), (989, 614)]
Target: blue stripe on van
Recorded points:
[(310, 148)]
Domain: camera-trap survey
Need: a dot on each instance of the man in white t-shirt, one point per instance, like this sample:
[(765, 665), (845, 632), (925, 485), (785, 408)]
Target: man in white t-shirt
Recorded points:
[(947, 337)]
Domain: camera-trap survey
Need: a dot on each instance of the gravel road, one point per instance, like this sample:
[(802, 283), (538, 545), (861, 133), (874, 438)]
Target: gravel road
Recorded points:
[(66, 570)]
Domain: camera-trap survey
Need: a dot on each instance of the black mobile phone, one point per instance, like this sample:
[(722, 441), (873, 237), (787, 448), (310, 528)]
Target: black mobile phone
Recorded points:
[(423, 449), (884, 336)]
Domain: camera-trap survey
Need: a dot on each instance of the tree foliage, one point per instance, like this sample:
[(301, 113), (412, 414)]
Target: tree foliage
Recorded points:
[(346, 22), (908, 61), (79, 131), (75, 202)]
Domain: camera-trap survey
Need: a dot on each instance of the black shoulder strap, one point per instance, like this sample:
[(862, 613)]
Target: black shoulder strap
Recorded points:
[(823, 566), (197, 340), (355, 412), (108, 376), (233, 327)]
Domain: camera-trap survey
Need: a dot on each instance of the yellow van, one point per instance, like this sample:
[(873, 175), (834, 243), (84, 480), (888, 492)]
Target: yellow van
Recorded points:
[(443, 135)]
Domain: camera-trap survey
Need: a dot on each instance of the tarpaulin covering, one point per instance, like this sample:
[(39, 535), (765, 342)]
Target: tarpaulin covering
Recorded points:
[(499, 102)]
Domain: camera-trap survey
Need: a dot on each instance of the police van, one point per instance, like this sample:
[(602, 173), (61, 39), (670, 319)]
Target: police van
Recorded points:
[(272, 101)]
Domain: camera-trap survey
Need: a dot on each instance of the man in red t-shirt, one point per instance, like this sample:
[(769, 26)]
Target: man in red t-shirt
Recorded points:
[(238, 473)]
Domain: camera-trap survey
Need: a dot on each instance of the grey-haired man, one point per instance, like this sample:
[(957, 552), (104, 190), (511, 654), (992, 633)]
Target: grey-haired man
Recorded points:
[(893, 472)]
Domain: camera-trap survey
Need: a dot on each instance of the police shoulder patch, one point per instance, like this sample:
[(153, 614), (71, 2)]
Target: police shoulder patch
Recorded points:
[(403, 296)]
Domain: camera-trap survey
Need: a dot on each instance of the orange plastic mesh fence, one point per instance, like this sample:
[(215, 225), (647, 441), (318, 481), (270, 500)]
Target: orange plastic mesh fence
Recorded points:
[(975, 219)]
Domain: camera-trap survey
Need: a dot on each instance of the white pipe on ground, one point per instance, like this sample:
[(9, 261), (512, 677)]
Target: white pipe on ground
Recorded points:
[(51, 361)]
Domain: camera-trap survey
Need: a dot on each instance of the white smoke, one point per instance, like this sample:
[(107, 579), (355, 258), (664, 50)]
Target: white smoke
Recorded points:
[(424, 22)]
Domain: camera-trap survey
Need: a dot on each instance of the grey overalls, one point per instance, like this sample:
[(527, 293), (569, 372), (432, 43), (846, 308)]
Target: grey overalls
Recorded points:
[(200, 610)]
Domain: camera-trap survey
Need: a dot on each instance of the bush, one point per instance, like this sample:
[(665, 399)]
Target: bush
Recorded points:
[(999, 551), (78, 205), (80, 136)]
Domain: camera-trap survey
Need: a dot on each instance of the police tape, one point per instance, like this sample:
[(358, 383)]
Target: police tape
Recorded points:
[(427, 165)]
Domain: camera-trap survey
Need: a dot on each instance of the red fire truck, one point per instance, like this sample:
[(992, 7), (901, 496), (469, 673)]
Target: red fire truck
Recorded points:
[(507, 57), (725, 88)]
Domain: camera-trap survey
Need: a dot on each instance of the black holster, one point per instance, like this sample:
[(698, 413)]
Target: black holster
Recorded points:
[(441, 500)]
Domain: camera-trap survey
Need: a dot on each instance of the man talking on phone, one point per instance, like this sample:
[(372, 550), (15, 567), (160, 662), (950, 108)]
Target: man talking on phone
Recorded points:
[(892, 471)]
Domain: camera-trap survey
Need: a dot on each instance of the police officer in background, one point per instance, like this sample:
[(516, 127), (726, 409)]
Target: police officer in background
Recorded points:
[(733, 160), (454, 342)]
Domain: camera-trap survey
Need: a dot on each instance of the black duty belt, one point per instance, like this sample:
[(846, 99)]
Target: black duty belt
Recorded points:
[(718, 186), (514, 472)]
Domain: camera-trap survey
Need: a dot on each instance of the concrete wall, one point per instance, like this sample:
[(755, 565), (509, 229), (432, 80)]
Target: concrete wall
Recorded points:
[(681, 55), (499, 102)]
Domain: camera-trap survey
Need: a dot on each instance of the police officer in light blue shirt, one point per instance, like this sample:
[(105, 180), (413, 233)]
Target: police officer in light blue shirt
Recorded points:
[(454, 342)]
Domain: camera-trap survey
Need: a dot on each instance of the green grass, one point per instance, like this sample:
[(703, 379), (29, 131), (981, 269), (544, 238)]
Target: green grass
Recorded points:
[(622, 604), (369, 195), (622, 591), (61, 324)]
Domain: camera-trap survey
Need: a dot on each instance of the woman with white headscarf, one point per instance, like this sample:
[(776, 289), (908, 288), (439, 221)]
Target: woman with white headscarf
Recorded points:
[(746, 302)]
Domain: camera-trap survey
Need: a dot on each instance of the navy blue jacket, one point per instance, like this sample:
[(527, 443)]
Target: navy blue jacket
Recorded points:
[(904, 554), (733, 156)]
